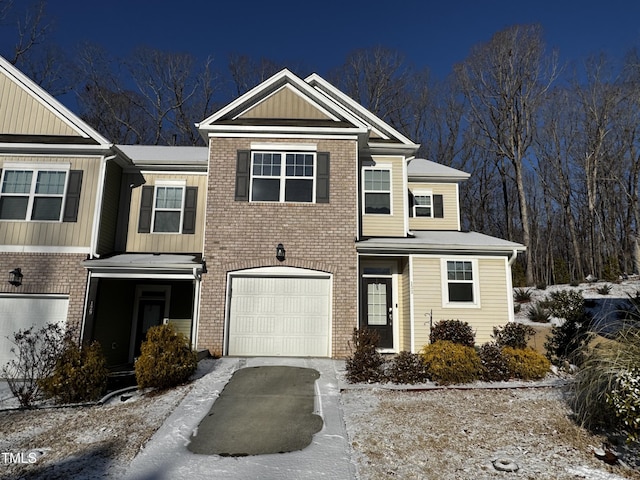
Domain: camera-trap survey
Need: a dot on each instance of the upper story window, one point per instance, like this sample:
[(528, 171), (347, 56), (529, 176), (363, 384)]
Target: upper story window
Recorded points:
[(39, 193), (422, 204), (283, 177), (377, 190), (168, 207), (461, 283)]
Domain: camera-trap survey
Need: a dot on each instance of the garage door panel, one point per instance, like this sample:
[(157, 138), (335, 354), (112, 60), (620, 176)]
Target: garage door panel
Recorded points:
[(285, 316), (24, 311)]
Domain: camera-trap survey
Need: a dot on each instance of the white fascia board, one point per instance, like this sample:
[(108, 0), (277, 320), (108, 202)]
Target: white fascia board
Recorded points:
[(304, 136), (370, 117), (392, 148), (276, 130), (53, 105), (439, 249), (50, 148)]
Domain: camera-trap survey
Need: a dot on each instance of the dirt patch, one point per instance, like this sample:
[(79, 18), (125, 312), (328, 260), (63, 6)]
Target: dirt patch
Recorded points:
[(459, 434)]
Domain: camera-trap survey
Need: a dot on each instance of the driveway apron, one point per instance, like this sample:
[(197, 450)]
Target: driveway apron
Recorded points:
[(261, 410), (169, 455)]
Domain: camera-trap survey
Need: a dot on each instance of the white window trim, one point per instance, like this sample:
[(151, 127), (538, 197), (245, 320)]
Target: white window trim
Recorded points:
[(283, 177), (35, 168), (364, 191), (445, 283), (168, 183), (422, 193)]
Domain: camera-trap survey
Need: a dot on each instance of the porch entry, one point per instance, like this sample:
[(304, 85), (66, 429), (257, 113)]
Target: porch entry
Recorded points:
[(152, 305), (377, 308)]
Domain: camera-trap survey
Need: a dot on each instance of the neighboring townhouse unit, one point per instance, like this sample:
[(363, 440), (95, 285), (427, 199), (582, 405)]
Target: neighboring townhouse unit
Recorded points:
[(305, 217)]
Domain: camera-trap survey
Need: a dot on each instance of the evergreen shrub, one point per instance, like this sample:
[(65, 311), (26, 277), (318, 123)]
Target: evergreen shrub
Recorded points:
[(166, 358), (407, 367), (454, 331), (365, 362), (495, 367), (448, 362), (526, 363)]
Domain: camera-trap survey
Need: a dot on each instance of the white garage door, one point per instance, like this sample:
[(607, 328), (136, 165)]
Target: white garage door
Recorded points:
[(279, 316), (23, 311)]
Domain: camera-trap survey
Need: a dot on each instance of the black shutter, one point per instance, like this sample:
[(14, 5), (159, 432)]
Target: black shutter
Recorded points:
[(189, 218), (438, 207), (411, 203), (146, 208), (243, 175), (72, 200), (322, 178)]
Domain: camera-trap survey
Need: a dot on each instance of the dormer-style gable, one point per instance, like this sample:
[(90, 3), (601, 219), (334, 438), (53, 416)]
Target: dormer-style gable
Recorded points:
[(31, 116)]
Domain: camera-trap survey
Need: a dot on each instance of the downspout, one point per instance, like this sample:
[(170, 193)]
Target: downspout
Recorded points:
[(196, 309), (513, 257)]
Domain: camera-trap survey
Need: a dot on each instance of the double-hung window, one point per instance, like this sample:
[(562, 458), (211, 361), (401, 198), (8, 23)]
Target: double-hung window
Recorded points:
[(33, 193), (377, 190), (422, 204), (167, 209), (283, 177), (460, 282)]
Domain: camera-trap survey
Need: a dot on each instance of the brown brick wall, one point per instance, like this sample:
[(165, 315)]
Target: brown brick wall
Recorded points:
[(48, 273), (316, 236)]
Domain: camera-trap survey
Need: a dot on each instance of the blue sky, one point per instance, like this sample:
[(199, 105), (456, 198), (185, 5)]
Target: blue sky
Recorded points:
[(436, 34)]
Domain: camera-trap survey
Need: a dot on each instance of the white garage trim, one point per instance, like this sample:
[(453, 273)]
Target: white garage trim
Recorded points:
[(273, 340), (19, 312)]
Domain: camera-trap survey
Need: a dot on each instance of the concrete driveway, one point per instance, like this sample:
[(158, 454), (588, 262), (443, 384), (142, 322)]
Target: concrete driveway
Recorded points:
[(328, 456)]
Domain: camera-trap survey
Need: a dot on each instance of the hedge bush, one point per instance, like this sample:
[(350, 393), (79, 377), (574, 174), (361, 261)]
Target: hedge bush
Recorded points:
[(514, 335), (454, 331), (80, 374), (526, 363), (166, 358), (365, 363), (447, 362), (406, 367), (495, 367)]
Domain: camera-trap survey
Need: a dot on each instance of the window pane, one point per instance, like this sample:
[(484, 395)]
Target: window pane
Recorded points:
[(377, 203), (460, 292), (299, 165), (265, 190), (17, 181), (422, 200), (13, 208), (167, 222), (266, 164), (50, 183), (423, 211), (169, 197), (459, 271), (298, 190), (377, 180), (376, 304), (46, 208)]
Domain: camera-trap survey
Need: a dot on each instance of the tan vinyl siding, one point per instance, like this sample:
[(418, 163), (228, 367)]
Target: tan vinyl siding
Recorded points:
[(427, 298), (167, 242), (405, 308), (109, 218), (22, 114), (450, 205), (285, 104), (387, 225), (54, 234)]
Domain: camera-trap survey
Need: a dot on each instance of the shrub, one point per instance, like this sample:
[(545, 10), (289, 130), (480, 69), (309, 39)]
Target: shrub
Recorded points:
[(538, 313), (604, 289), (365, 363), (625, 401), (448, 362), (37, 352), (80, 374), (166, 358), (522, 295), (407, 367), (568, 304), (541, 285), (514, 335), (454, 331), (526, 363), (495, 367), (592, 398)]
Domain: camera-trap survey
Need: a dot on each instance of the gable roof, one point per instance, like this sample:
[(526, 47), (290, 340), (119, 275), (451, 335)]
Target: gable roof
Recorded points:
[(285, 103), (30, 115), (423, 169)]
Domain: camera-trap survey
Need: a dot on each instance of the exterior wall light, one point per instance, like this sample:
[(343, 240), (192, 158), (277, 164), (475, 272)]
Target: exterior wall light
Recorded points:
[(15, 277), (280, 252)]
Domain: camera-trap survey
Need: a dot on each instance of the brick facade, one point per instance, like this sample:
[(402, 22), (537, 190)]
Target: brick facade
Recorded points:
[(48, 273), (241, 235)]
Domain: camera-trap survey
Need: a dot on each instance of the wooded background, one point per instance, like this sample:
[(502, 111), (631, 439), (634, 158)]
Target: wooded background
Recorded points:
[(553, 152)]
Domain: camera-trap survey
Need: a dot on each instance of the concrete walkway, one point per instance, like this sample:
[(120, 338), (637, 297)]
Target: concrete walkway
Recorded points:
[(166, 455)]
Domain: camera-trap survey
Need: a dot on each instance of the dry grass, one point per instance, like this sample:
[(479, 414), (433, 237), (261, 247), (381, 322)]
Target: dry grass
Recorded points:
[(456, 434)]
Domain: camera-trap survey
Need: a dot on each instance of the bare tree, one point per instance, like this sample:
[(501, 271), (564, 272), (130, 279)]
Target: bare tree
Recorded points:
[(247, 72), (504, 82)]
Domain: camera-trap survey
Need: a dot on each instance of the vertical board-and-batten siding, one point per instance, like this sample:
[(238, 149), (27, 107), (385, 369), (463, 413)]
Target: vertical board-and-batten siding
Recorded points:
[(57, 234), (21, 114), (427, 298), (375, 225), (167, 242), (285, 104), (449, 192)]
